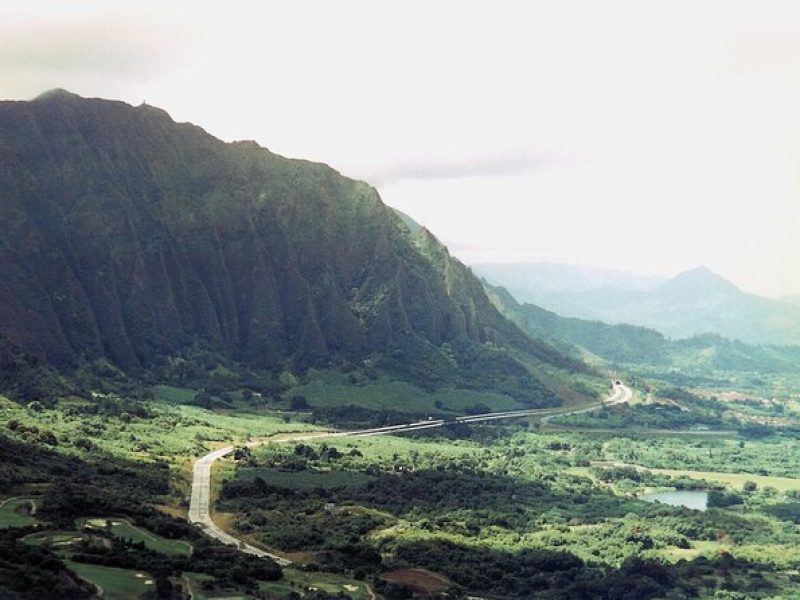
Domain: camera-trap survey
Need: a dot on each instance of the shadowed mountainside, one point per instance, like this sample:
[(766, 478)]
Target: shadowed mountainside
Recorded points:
[(127, 236)]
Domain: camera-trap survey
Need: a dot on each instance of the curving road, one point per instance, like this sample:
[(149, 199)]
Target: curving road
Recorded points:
[(199, 504), (622, 393)]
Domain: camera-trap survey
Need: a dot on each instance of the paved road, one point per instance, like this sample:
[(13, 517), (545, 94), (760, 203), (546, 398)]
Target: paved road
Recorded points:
[(200, 501), (199, 511), (622, 393)]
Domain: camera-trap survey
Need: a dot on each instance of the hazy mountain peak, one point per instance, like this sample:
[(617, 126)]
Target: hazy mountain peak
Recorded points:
[(691, 303), (700, 280)]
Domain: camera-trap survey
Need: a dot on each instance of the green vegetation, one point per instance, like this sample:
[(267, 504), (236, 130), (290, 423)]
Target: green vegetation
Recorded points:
[(126, 531), (774, 457), (330, 390), (16, 512), (123, 468), (305, 479), (239, 298), (116, 584), (307, 583), (508, 510), (248, 265), (32, 572), (507, 513)]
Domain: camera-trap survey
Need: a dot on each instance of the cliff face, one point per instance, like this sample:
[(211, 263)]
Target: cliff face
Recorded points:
[(128, 236)]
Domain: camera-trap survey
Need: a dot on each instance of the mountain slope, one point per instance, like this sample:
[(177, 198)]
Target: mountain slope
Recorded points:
[(630, 344), (692, 303), (127, 236), (700, 301)]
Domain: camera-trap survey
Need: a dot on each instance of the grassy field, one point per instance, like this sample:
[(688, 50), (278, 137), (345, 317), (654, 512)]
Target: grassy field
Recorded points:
[(374, 447), (699, 548), (123, 529), (196, 580), (59, 541), (170, 434), (14, 512), (117, 584), (174, 395), (387, 446), (326, 390), (734, 480), (294, 582), (303, 582), (419, 580)]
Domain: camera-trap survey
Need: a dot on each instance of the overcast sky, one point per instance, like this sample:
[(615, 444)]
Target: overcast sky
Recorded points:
[(646, 136)]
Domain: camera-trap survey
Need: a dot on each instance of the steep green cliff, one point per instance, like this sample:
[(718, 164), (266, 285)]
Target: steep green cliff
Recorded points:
[(127, 236)]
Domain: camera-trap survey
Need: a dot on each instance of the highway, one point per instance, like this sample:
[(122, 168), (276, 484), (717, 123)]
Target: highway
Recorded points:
[(199, 505), (622, 393), (200, 501)]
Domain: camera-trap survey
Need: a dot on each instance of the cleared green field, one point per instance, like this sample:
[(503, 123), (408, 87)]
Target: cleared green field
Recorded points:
[(400, 396), (699, 548), (59, 541), (117, 584), (196, 581), (307, 480), (174, 395), (14, 512), (383, 447), (387, 446), (123, 529), (172, 432), (735, 480), (304, 582)]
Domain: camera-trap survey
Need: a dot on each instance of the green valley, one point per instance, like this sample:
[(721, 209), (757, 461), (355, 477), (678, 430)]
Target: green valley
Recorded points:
[(229, 374)]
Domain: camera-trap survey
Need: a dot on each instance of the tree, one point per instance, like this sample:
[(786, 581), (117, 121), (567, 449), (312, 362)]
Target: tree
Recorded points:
[(241, 453), (299, 402)]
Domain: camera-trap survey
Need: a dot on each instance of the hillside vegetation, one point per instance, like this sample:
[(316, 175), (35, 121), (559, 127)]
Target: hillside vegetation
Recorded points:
[(128, 238)]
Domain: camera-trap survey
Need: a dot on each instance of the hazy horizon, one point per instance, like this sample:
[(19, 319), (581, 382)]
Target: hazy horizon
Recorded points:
[(630, 136)]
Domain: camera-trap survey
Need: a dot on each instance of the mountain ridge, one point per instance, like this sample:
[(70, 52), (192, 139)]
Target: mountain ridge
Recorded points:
[(694, 302), (128, 236), (625, 344)]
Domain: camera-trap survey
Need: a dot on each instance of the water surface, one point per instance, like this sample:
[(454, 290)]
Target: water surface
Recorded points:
[(694, 499)]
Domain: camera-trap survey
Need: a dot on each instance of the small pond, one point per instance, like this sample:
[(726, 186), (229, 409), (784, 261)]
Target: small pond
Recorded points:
[(697, 500)]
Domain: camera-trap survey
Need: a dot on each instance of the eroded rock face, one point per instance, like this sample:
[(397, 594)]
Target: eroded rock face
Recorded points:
[(126, 235)]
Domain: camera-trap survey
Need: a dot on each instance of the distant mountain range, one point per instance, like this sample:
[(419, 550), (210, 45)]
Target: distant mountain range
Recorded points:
[(625, 344), (129, 238), (692, 303)]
